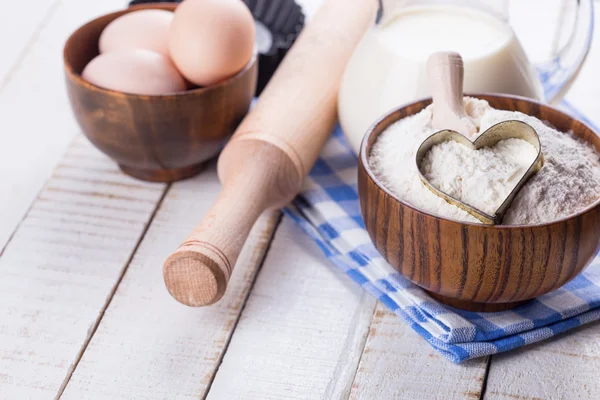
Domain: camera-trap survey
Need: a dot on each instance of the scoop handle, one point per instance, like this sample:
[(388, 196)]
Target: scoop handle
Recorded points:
[(272, 151), (445, 73)]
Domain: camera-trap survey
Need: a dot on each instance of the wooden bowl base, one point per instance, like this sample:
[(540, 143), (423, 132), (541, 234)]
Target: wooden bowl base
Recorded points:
[(472, 306), (163, 175)]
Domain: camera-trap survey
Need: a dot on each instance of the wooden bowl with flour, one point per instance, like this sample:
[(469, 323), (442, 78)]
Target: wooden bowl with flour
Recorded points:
[(472, 266)]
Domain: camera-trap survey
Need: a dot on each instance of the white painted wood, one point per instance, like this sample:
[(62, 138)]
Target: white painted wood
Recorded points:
[(61, 266), (20, 25), (398, 364), (302, 331), (36, 123), (148, 346), (561, 368)]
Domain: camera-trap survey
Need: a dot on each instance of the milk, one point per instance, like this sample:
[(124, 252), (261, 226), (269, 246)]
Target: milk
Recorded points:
[(387, 70)]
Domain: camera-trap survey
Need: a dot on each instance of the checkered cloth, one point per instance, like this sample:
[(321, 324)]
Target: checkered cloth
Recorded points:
[(328, 210)]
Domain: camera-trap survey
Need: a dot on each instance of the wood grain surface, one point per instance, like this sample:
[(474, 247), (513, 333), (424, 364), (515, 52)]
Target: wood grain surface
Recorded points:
[(20, 27), (565, 367), (561, 368), (469, 265), (60, 267), (398, 364), (146, 336), (36, 122), (302, 331)]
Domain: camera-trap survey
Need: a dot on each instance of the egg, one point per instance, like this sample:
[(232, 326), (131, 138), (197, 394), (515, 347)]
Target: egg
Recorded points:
[(211, 40), (144, 29), (134, 71)]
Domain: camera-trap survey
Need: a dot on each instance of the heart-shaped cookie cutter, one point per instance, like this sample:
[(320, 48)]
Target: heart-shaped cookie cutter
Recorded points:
[(445, 72), (512, 129)]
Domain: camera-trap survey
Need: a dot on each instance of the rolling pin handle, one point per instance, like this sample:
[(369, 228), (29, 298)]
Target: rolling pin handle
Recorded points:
[(198, 272), (195, 279)]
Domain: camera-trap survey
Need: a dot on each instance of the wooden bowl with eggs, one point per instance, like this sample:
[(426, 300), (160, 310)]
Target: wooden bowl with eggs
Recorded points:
[(154, 137), (472, 266)]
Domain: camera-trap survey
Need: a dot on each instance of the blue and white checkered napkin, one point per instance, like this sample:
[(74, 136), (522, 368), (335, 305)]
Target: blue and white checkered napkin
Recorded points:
[(328, 210)]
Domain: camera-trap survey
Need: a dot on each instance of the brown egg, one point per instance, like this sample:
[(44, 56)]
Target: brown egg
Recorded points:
[(144, 29), (134, 71), (211, 40)]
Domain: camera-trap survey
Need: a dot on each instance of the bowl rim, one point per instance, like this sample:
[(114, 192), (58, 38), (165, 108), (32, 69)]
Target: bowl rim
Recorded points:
[(78, 79), (364, 161)]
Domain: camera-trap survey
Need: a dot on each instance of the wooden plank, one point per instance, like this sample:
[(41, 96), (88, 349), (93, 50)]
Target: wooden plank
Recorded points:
[(399, 364), (35, 117), (150, 347), (20, 25), (561, 368), (60, 268), (302, 331)]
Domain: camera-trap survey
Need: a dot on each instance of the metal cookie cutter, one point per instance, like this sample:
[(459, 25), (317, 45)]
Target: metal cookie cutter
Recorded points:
[(512, 129)]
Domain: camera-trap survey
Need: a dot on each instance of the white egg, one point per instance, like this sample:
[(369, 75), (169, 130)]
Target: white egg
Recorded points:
[(211, 40), (134, 71), (144, 29)]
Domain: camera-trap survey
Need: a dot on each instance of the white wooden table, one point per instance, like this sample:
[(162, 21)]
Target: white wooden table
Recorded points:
[(84, 313)]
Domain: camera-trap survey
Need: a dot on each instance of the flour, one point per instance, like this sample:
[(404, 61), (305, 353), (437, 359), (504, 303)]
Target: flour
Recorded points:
[(481, 178), (568, 182)]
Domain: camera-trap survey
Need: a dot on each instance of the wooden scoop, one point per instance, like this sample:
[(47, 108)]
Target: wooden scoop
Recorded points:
[(272, 151), (445, 72)]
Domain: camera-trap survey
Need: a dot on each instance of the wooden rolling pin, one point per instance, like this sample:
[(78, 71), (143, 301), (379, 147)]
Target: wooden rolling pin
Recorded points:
[(272, 151)]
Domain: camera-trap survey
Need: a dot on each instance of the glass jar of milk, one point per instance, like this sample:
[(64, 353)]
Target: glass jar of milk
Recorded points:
[(387, 69)]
